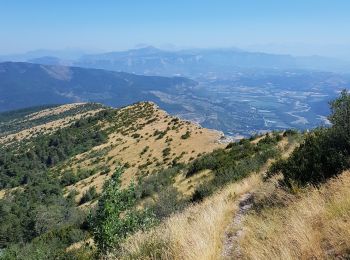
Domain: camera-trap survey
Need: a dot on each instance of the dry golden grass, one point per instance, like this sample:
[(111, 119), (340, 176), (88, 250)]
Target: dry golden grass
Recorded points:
[(5, 192), (187, 186), (200, 231), (47, 127), (196, 233), (313, 225), (53, 111), (125, 149)]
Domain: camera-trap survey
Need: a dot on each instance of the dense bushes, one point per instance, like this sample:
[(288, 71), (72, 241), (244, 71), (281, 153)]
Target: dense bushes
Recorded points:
[(70, 178), (324, 153), (156, 182), (14, 121), (37, 213), (89, 195), (233, 163), (19, 162), (116, 216), (169, 201)]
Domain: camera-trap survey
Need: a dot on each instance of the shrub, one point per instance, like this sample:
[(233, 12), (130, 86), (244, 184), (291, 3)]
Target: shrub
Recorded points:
[(186, 135), (116, 217), (69, 178), (231, 164), (167, 203), (166, 152), (144, 150), (290, 132), (324, 153), (135, 135), (157, 181), (89, 195)]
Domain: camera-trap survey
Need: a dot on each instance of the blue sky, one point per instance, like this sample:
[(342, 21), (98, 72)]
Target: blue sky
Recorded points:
[(114, 25)]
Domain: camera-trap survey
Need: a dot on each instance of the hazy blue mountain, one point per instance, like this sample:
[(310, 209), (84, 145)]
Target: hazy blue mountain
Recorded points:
[(48, 60), (199, 62), (64, 54), (188, 63), (26, 84)]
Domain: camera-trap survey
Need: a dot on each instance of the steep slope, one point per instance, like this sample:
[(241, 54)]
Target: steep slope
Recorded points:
[(141, 137), (296, 206), (25, 84), (135, 183), (202, 230), (54, 161), (27, 123), (148, 141), (315, 220)]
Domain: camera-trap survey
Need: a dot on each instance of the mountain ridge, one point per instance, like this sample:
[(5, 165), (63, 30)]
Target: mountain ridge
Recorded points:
[(27, 84), (154, 61)]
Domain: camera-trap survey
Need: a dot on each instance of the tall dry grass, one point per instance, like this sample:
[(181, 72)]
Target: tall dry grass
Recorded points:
[(196, 233), (316, 225)]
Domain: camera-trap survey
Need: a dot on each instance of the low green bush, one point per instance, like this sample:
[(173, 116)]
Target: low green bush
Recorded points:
[(324, 153)]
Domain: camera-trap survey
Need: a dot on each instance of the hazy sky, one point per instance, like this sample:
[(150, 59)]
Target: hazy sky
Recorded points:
[(296, 25)]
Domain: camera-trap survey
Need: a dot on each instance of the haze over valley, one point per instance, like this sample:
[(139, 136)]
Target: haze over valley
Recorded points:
[(174, 130), (240, 93)]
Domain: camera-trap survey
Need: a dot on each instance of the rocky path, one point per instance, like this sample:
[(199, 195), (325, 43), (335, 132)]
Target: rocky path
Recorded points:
[(234, 230)]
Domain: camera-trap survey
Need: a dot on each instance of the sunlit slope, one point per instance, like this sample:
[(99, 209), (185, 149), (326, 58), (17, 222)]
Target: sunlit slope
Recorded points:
[(141, 138)]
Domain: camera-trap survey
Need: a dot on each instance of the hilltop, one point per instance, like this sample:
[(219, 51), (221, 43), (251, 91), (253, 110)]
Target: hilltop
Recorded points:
[(140, 137)]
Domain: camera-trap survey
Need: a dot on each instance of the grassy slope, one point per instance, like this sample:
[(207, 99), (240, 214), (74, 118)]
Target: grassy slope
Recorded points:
[(313, 224), (140, 147), (198, 231), (137, 137), (20, 126), (195, 233)]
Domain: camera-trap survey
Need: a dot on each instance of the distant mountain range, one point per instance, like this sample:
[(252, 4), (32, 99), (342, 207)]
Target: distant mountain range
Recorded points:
[(189, 63), (25, 84), (244, 103)]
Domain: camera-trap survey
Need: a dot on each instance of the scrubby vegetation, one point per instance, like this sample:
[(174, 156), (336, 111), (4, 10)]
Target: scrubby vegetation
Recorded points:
[(312, 206), (89, 195), (19, 162), (186, 135), (324, 153), (38, 222), (17, 120), (154, 217), (116, 216), (233, 163)]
